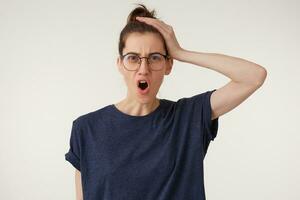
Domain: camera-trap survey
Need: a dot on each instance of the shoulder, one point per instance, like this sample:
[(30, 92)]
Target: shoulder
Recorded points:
[(186, 105), (91, 117), (195, 99)]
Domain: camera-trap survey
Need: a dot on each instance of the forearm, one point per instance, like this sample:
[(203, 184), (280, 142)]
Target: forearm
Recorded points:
[(237, 69)]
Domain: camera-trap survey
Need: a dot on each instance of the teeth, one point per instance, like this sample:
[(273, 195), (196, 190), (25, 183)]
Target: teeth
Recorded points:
[(142, 81)]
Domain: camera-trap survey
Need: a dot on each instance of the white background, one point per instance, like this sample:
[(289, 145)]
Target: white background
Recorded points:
[(58, 61)]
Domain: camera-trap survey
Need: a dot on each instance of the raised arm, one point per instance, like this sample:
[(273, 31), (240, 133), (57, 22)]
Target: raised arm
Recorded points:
[(246, 77)]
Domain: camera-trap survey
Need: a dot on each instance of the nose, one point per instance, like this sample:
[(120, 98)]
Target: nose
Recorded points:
[(144, 67)]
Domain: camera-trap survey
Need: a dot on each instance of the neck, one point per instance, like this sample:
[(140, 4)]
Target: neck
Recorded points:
[(136, 107)]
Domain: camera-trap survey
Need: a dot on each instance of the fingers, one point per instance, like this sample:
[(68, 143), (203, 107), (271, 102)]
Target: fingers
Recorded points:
[(159, 24)]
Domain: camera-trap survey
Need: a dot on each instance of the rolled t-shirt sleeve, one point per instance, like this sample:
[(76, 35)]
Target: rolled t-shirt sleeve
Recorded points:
[(210, 127), (202, 112), (73, 155)]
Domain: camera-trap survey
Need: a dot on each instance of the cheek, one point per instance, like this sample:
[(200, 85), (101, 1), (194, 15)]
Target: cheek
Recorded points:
[(128, 80), (158, 80)]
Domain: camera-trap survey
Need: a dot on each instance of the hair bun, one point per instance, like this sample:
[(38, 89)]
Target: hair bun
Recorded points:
[(141, 11)]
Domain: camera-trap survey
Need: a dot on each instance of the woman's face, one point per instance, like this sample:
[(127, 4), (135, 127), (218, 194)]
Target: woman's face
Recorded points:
[(144, 44)]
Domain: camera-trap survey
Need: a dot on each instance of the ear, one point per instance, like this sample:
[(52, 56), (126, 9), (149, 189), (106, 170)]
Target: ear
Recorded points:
[(169, 66), (119, 64)]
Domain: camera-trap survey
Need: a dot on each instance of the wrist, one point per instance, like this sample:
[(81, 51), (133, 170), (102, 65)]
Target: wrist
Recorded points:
[(180, 55)]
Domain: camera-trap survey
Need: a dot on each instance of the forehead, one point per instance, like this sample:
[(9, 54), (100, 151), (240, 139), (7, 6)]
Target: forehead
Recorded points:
[(143, 43)]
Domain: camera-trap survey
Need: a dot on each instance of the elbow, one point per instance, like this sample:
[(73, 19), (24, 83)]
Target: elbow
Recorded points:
[(263, 75), (260, 77)]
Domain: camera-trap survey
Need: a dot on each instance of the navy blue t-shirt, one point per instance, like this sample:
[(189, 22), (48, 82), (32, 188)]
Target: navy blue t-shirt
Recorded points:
[(158, 156)]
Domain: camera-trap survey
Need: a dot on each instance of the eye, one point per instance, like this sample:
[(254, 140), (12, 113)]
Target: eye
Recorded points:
[(132, 58), (156, 57)]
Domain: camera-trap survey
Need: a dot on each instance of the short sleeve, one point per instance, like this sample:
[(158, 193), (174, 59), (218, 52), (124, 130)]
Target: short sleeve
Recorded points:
[(202, 112), (210, 127), (73, 155)]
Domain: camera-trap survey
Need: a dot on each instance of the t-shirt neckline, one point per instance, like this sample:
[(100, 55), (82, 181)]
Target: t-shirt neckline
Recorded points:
[(122, 114)]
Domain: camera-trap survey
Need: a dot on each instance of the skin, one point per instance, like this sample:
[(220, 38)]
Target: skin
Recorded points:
[(134, 103), (78, 185)]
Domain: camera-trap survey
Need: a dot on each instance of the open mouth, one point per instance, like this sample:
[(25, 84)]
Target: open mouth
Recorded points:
[(142, 84)]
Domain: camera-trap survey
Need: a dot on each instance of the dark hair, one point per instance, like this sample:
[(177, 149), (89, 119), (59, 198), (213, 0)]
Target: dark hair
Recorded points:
[(133, 25)]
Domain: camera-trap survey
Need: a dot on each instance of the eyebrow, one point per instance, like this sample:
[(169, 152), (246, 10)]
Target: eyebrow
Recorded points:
[(140, 54)]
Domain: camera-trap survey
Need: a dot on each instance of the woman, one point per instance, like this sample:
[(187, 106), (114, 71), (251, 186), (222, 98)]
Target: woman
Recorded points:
[(148, 148)]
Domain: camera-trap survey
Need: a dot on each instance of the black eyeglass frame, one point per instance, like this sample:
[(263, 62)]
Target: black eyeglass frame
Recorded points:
[(140, 60)]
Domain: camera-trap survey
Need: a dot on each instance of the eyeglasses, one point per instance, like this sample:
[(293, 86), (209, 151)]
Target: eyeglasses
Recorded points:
[(132, 61)]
